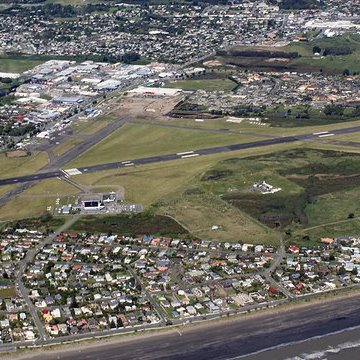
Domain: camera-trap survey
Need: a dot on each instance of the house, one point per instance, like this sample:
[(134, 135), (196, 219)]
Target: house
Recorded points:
[(46, 315), (294, 249), (123, 320), (327, 240)]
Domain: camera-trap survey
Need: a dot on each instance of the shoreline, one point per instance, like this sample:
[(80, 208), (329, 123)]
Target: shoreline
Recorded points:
[(294, 343), (204, 326)]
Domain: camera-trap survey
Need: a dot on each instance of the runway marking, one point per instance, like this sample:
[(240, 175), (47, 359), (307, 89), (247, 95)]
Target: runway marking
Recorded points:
[(129, 164), (126, 162), (185, 153), (320, 133), (188, 156), (179, 332), (64, 172), (71, 172), (325, 135)]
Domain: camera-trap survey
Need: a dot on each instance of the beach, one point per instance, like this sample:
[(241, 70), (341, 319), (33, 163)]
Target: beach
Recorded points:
[(344, 344), (233, 338)]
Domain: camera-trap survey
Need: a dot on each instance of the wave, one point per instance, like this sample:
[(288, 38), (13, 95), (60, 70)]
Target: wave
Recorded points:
[(310, 356), (321, 354)]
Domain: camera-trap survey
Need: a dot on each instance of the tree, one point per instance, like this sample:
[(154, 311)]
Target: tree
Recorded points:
[(130, 57), (46, 217), (316, 49), (112, 324), (334, 110), (356, 112), (351, 216), (346, 72)]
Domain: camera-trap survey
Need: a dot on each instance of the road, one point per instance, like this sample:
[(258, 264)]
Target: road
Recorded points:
[(224, 339), (278, 257), (20, 271), (45, 339), (161, 158), (148, 296), (52, 169)]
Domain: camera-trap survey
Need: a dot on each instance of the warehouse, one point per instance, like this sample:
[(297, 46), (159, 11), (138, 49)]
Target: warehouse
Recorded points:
[(155, 91), (92, 205)]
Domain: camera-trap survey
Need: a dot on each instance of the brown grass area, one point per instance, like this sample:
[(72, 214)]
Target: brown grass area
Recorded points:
[(16, 154)]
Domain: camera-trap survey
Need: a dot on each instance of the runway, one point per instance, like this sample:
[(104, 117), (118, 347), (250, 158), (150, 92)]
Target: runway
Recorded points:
[(175, 156)]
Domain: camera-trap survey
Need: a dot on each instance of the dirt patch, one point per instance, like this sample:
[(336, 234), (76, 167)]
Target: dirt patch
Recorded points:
[(147, 107), (277, 60), (16, 154)]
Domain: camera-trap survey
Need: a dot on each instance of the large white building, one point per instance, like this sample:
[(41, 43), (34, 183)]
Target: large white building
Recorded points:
[(155, 91), (92, 205)]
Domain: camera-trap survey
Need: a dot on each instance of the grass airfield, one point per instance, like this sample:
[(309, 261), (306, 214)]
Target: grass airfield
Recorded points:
[(177, 189)]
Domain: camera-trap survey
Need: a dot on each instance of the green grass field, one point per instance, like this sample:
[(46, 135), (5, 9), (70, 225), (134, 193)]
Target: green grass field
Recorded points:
[(90, 126), (318, 188), (323, 210), (339, 228), (307, 62), (214, 190), (139, 224), (205, 84), (66, 145), (170, 189), (40, 196), (200, 211), (8, 292), (339, 63), (11, 167), (136, 141), (5, 189), (266, 129), (17, 64)]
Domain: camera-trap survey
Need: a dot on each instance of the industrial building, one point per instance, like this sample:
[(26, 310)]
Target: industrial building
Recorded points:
[(92, 205), (155, 91)]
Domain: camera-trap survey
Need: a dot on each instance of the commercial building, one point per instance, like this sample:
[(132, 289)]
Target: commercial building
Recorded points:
[(92, 205)]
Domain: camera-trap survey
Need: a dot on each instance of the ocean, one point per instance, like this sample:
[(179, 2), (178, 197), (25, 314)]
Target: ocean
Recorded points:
[(339, 345)]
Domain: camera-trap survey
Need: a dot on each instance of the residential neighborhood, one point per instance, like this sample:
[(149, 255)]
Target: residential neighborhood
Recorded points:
[(262, 93), (179, 179), (182, 32), (82, 283)]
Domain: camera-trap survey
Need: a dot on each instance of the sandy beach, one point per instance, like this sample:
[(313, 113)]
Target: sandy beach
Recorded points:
[(220, 339)]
